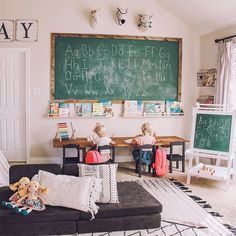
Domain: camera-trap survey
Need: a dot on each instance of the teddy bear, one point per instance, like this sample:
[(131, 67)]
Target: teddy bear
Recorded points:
[(22, 189), (32, 200)]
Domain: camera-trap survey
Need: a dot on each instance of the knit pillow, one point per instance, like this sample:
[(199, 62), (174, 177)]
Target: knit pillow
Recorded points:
[(106, 172)]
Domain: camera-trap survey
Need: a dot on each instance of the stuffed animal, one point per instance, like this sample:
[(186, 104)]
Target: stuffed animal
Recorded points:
[(94, 17), (121, 16), (145, 22), (32, 200), (21, 186)]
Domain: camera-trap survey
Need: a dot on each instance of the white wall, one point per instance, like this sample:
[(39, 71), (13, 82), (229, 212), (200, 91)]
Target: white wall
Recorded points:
[(63, 16), (209, 47)]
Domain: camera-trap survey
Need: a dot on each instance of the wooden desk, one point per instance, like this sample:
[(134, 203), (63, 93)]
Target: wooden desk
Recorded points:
[(119, 141)]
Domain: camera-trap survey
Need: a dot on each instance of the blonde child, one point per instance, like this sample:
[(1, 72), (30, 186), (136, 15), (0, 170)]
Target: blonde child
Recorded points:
[(145, 139), (100, 139)]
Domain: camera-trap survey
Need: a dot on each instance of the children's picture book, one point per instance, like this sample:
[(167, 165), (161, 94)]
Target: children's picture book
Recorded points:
[(168, 105), (160, 106), (53, 109), (63, 131), (98, 109), (78, 109), (156, 108), (107, 108), (149, 107), (71, 109), (86, 109), (139, 106), (173, 107), (130, 107), (63, 109)]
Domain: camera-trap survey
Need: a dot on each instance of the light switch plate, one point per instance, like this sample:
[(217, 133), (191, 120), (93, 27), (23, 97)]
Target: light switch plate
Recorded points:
[(36, 91)]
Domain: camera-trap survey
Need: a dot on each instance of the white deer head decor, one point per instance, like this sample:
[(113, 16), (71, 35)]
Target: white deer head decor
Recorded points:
[(144, 22), (121, 16), (94, 17)]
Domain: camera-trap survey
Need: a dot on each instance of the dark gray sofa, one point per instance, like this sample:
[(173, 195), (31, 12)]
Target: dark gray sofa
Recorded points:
[(137, 209)]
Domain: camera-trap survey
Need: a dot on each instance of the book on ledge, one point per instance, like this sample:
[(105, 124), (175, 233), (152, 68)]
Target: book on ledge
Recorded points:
[(154, 108), (107, 108), (63, 131), (63, 109), (86, 109), (98, 109), (130, 107), (53, 109)]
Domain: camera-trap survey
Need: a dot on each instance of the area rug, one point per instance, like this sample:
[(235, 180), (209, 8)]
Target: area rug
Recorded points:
[(181, 207), (183, 214)]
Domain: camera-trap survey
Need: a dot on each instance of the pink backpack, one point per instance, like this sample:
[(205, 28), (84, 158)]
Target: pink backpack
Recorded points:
[(93, 156), (161, 164)]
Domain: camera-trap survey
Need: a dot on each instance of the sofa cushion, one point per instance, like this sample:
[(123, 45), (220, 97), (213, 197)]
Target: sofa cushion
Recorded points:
[(18, 171), (39, 228), (70, 169), (148, 221), (5, 194), (134, 200), (50, 214)]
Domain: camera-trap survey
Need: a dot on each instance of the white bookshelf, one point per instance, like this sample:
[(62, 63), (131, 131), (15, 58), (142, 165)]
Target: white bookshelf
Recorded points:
[(151, 115), (220, 173)]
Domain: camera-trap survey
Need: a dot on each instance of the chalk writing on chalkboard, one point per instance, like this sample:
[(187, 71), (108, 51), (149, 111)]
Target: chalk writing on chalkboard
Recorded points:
[(213, 132), (90, 67)]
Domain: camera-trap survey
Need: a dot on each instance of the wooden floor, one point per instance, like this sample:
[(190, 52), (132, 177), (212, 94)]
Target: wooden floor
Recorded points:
[(213, 192)]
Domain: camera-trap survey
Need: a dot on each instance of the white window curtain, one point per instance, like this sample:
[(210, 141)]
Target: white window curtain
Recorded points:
[(226, 79), (223, 73)]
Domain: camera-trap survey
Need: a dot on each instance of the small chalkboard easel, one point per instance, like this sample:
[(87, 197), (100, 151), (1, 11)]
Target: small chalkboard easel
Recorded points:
[(212, 137)]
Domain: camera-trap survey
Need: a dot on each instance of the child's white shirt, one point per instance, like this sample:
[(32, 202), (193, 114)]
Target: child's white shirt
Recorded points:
[(101, 141), (146, 139)]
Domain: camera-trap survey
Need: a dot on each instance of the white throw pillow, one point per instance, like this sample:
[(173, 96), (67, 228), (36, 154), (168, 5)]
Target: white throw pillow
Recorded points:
[(107, 172), (69, 191)]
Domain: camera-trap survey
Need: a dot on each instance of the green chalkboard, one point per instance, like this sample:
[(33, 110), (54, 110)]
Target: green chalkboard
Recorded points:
[(93, 67), (213, 132)]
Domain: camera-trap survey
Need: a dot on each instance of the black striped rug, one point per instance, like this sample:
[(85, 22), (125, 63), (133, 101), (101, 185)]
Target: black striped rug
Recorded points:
[(183, 214)]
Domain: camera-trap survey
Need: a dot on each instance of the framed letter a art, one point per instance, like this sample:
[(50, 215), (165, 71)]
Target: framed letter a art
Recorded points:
[(6, 30), (27, 30)]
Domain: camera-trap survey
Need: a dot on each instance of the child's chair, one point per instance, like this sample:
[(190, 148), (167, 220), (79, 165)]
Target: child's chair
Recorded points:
[(143, 149), (112, 150), (69, 159), (176, 156)]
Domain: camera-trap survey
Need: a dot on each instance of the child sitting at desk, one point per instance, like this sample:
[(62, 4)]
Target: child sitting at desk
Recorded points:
[(100, 138), (145, 139)]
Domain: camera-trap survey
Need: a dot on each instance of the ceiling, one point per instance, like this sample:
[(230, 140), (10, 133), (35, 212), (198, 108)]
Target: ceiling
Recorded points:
[(204, 16)]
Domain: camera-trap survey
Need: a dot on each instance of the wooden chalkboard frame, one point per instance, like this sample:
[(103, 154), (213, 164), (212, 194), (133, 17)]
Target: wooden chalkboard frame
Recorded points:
[(52, 68), (197, 150)]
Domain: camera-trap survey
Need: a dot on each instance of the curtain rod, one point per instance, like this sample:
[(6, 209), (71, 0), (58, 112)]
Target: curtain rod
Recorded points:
[(223, 39)]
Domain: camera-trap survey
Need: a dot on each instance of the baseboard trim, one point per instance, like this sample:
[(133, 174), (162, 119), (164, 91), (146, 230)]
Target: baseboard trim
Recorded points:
[(45, 160)]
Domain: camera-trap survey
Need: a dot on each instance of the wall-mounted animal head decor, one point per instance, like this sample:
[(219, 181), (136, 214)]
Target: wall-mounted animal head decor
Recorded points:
[(121, 15), (145, 22), (94, 17)]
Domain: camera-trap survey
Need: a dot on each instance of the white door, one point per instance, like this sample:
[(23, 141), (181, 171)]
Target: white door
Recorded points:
[(13, 64)]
